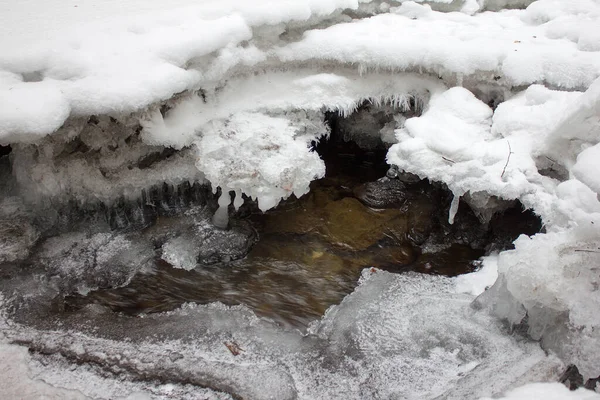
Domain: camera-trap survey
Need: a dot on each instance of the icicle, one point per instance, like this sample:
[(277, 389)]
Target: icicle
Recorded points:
[(453, 209), (239, 200), (221, 217)]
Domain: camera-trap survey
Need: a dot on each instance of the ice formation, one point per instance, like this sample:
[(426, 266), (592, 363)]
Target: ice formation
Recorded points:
[(387, 338), (265, 57), (533, 149), (119, 97)]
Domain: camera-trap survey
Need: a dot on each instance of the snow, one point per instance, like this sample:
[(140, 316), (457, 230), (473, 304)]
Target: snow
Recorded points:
[(477, 282), (490, 44), (550, 277), (588, 162), (105, 57), (547, 391), (240, 88)]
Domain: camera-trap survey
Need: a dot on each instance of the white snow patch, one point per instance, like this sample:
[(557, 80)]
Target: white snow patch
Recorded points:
[(479, 281), (547, 391)]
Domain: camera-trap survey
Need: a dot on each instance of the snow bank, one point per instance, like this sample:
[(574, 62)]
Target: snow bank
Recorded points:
[(511, 45), (207, 61), (539, 148), (96, 60)]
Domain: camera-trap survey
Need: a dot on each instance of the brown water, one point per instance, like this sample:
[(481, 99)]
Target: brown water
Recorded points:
[(309, 256)]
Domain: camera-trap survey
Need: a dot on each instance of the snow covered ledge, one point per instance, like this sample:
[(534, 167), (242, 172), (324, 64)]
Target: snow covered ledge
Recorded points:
[(273, 67)]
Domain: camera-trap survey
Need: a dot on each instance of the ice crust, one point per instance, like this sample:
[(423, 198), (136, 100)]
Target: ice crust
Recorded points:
[(83, 261), (387, 339)]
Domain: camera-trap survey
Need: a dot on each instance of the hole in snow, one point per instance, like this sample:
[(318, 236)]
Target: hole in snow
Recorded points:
[(34, 76), (5, 150)]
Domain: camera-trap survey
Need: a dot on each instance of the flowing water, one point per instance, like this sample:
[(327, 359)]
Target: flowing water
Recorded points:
[(309, 256)]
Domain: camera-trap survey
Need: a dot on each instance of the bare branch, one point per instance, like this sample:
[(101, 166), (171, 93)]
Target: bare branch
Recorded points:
[(507, 159)]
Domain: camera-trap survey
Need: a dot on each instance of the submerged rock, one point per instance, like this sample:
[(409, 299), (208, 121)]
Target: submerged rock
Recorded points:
[(344, 223), (383, 193), (192, 239), (17, 237), (83, 261)]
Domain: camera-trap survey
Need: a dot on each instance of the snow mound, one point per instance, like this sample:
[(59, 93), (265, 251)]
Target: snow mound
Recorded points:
[(553, 280), (538, 148)]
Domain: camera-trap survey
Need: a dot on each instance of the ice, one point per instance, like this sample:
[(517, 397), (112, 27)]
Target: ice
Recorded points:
[(259, 155), (387, 339), (221, 217), (177, 252), (85, 261), (194, 238), (18, 383), (553, 279), (97, 160), (479, 281), (17, 232), (105, 99)]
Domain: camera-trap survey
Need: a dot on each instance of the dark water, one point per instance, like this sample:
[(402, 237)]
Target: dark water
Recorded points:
[(309, 256)]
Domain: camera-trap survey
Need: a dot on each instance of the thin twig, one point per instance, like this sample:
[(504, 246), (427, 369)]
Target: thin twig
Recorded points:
[(449, 160), (587, 251), (507, 160)]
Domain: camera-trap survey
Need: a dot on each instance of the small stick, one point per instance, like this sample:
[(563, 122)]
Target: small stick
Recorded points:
[(507, 160), (449, 160), (233, 347)]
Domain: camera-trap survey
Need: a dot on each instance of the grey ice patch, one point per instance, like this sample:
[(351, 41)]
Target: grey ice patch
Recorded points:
[(83, 261)]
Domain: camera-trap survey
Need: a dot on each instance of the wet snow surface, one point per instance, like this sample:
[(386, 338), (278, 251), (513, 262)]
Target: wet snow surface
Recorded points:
[(103, 100)]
